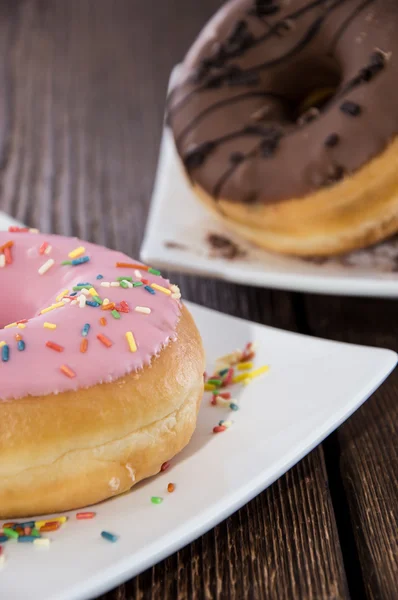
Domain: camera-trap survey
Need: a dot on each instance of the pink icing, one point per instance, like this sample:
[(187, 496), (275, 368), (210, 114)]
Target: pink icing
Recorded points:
[(24, 293)]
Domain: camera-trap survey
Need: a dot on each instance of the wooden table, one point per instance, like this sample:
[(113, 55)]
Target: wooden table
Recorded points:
[(83, 84)]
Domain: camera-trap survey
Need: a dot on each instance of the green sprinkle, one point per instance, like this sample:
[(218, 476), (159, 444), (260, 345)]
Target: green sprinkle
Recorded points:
[(124, 284), (153, 271), (66, 262), (97, 299), (35, 532), (156, 500), (115, 314), (214, 381), (127, 278), (77, 288), (137, 283), (10, 533)]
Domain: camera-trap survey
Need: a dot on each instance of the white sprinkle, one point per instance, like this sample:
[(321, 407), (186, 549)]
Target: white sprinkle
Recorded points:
[(82, 300), (143, 309), (85, 292), (33, 231), (48, 250), (105, 302), (42, 542), (176, 296), (2, 559), (2, 261), (105, 284), (138, 274), (46, 267), (73, 303), (65, 300), (115, 284)]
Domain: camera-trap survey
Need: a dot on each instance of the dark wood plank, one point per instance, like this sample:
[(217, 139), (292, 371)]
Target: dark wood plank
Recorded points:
[(86, 83), (368, 441)]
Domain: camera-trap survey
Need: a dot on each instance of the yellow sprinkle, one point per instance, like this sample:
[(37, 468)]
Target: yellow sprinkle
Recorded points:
[(160, 288), (10, 325), (21, 325), (2, 344), (62, 295), (47, 325), (39, 524), (209, 387), (241, 377), (258, 372), (245, 366), (131, 342), (52, 307), (77, 252), (93, 292)]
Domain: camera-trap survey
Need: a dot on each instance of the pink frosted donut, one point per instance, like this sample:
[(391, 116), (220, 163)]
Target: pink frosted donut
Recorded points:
[(101, 373)]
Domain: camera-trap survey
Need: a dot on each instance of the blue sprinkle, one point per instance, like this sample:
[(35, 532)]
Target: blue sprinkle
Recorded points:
[(80, 261), (5, 353), (21, 345), (81, 284), (233, 406), (100, 276), (149, 289), (90, 303), (86, 329), (3, 539), (27, 524), (73, 294), (27, 539), (111, 537)]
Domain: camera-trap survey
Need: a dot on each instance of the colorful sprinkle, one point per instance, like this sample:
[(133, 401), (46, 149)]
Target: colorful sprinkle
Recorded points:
[(149, 289), (166, 465), (115, 314), (99, 276), (55, 347), (153, 271), (5, 353), (77, 252), (137, 284), (21, 345), (160, 288), (48, 325), (84, 345), (219, 429), (10, 533), (143, 309), (131, 341), (171, 487), (62, 295), (122, 265), (47, 266), (111, 537), (42, 542), (104, 340), (156, 500), (80, 261), (103, 321), (67, 371), (86, 329), (85, 515)]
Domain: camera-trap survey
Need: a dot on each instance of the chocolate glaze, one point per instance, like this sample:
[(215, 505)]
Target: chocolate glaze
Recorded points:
[(234, 112)]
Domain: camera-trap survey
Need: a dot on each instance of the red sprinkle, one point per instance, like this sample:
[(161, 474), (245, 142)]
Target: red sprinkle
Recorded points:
[(14, 229), (104, 340), (213, 401), (43, 247), (224, 395), (52, 526), (219, 428), (85, 515), (165, 466), (54, 346), (8, 255), (145, 281), (67, 371)]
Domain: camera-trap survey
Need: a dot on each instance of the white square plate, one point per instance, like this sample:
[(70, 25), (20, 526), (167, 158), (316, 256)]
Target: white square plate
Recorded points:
[(312, 387), (178, 229)]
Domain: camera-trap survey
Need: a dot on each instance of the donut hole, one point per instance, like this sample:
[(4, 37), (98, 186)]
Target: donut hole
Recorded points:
[(315, 85)]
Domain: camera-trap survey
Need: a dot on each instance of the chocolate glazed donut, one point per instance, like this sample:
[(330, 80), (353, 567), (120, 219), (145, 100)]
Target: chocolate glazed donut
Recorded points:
[(285, 117)]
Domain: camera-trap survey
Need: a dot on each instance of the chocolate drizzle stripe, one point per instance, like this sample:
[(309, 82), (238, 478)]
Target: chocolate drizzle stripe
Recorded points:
[(344, 26), (291, 17), (231, 170), (222, 104)]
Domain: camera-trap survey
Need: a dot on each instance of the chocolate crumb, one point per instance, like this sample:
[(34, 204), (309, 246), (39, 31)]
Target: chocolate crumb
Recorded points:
[(223, 247), (332, 140), (350, 108)]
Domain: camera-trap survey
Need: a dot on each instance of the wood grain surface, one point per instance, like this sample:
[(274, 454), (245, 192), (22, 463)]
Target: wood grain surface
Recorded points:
[(82, 92)]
